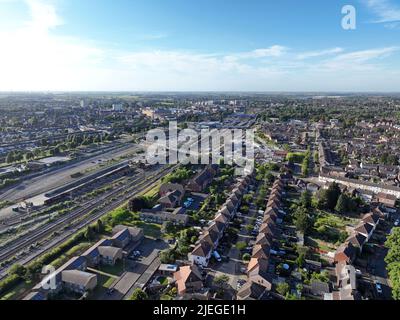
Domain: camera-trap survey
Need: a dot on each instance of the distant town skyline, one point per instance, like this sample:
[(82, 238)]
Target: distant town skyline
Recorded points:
[(177, 45)]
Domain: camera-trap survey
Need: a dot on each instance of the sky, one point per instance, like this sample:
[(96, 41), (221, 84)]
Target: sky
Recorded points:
[(198, 45)]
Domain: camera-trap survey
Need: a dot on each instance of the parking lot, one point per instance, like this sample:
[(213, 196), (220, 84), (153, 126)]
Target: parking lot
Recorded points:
[(138, 271)]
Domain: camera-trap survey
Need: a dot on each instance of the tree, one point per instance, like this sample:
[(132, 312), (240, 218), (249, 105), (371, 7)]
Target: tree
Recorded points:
[(241, 245), (328, 198), (321, 277), (305, 199), (167, 227), (283, 288), (29, 155), (89, 233), (10, 157), (167, 256), (393, 262), (341, 205), (246, 257), (18, 270), (139, 294), (394, 275), (221, 281), (99, 226), (137, 204), (302, 220), (120, 215), (299, 288)]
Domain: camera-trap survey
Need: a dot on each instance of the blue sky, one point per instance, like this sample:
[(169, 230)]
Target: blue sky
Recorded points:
[(188, 45)]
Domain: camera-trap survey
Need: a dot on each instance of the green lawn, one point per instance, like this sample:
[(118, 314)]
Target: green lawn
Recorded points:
[(150, 229), (103, 283), (330, 228), (116, 270)]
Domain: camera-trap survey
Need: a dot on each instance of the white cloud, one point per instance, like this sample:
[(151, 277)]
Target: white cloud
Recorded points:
[(359, 60), (314, 54), (33, 57), (271, 52), (384, 9)]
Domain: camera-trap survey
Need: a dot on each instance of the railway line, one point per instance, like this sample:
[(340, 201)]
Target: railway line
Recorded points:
[(74, 220)]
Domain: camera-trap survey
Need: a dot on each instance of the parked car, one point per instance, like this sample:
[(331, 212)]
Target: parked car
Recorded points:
[(110, 291), (378, 287)]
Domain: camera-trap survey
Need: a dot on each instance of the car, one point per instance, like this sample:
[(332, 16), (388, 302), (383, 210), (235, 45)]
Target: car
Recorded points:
[(240, 283), (110, 291), (378, 287)]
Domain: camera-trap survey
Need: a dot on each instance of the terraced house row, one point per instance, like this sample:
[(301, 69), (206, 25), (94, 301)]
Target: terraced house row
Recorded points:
[(211, 236), (259, 275), (345, 255)]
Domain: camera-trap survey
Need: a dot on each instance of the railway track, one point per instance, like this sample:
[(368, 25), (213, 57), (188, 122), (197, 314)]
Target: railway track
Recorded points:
[(43, 232)]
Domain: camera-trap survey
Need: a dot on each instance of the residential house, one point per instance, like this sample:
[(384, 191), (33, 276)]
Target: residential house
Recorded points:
[(346, 252), (251, 291), (257, 272), (176, 216), (388, 200), (92, 255), (365, 229), (261, 251), (357, 240), (201, 181), (201, 254), (166, 188), (372, 218), (124, 236), (110, 255), (188, 279), (79, 281), (171, 199)]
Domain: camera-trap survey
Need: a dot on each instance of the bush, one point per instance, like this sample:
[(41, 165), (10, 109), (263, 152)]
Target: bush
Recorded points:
[(283, 288), (139, 294), (241, 245), (120, 215), (246, 257), (9, 282)]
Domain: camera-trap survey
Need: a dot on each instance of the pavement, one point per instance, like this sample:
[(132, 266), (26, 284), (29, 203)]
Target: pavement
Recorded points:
[(138, 272)]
